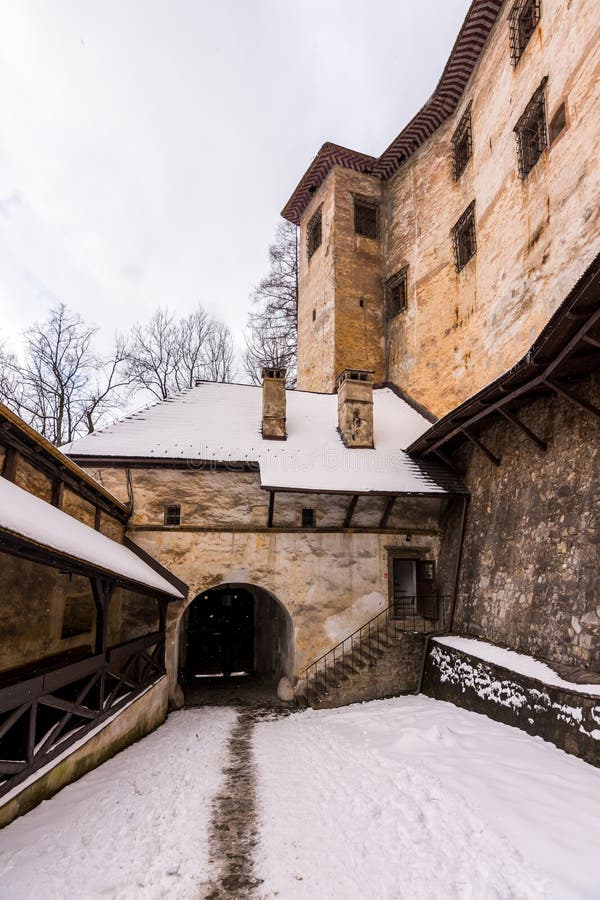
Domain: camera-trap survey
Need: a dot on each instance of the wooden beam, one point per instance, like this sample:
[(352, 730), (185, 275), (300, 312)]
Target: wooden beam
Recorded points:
[(448, 461), (101, 591), (591, 341), (58, 492), (350, 511), (480, 446), (11, 462), (271, 509), (568, 395), (387, 512), (510, 417), (97, 514)]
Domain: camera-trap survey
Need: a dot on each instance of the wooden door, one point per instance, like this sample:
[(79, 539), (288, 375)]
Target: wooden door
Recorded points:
[(426, 589)]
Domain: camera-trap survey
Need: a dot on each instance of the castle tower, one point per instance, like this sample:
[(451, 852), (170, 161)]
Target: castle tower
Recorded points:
[(340, 303)]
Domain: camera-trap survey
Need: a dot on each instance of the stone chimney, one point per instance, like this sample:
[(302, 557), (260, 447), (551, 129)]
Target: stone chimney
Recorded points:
[(273, 404), (355, 407)]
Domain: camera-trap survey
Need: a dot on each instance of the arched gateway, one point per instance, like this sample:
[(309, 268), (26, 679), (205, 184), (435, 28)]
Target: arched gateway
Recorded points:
[(233, 629)]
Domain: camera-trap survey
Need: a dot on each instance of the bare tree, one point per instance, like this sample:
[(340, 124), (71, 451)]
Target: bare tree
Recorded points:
[(167, 354), (272, 332), (61, 388)]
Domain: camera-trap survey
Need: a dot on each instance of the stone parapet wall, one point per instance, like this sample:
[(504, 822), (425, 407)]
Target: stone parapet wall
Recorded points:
[(568, 719)]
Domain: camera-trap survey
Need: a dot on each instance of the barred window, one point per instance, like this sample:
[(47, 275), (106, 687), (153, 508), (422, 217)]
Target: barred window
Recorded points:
[(463, 237), (172, 514), (523, 19), (309, 517), (462, 147), (530, 130), (314, 233), (366, 217), (395, 293)]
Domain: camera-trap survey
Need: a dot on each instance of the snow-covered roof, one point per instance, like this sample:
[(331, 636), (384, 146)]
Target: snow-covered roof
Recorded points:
[(39, 523), (222, 423)]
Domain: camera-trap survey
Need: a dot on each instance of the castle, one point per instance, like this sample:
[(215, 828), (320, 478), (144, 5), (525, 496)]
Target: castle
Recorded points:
[(437, 464)]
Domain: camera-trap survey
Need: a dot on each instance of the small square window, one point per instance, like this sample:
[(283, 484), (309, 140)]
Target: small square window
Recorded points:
[(366, 217), (309, 517), (314, 232), (530, 131), (523, 19), (172, 514), (463, 237), (395, 293), (558, 123), (462, 147)]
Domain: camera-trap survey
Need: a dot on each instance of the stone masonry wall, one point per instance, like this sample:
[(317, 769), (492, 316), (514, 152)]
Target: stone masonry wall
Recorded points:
[(534, 236), (569, 719), (530, 576)]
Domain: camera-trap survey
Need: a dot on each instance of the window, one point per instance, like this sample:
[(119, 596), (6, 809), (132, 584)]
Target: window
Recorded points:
[(463, 237), (314, 232), (462, 148), (523, 19), (395, 293), (557, 123), (366, 217), (530, 131), (309, 517), (314, 315), (172, 515)]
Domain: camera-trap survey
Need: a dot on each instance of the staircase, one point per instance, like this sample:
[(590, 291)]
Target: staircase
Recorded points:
[(382, 658)]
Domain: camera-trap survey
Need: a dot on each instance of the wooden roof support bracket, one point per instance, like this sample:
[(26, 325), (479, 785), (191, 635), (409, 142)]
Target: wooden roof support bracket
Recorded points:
[(510, 417), (350, 511), (387, 511), (568, 395), (480, 446), (271, 509)]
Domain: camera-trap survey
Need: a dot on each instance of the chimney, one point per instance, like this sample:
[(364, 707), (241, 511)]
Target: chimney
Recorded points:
[(273, 404), (355, 407)]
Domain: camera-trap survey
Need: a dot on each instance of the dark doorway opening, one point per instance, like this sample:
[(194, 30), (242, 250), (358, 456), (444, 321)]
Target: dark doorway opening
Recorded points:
[(413, 587), (235, 643), (220, 634)]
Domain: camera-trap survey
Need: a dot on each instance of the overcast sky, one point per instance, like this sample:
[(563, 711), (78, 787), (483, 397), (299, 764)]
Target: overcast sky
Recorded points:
[(148, 146)]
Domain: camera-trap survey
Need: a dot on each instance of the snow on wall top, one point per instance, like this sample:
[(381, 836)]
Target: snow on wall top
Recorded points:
[(35, 520), (222, 423)]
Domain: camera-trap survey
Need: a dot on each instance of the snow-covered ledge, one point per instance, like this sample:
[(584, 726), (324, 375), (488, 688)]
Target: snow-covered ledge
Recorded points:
[(515, 689)]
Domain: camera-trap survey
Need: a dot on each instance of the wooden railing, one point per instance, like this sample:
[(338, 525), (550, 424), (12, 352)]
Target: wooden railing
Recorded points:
[(41, 716)]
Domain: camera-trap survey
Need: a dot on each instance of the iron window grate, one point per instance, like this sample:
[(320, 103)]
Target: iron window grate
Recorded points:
[(366, 217), (463, 238), (523, 19), (531, 132), (172, 514), (396, 293), (314, 233), (462, 145)]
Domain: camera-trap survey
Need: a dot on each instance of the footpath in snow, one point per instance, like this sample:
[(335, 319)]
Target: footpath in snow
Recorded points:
[(409, 798)]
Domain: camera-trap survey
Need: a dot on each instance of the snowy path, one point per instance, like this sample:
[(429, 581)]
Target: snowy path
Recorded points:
[(136, 827), (408, 798), (413, 798)]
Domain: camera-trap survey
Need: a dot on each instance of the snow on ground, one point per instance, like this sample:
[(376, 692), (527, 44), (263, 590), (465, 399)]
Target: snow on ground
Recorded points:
[(409, 798), (414, 798), (136, 827), (517, 662)]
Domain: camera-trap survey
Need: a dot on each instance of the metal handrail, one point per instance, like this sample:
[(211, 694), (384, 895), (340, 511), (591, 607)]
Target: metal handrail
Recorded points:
[(322, 671)]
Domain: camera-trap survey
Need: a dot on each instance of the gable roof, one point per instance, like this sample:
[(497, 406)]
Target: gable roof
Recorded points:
[(443, 102), (220, 424)]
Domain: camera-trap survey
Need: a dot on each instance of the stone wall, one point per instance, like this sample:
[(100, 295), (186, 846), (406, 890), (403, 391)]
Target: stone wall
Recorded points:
[(530, 575), (569, 719), (42, 607), (534, 237)]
